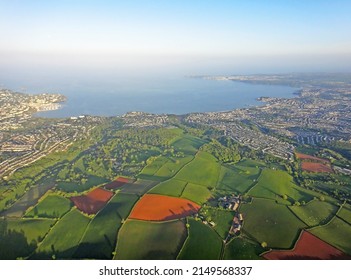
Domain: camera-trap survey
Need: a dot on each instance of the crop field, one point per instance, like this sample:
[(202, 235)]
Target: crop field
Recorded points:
[(273, 184), (93, 202), (308, 157), (172, 166), (316, 167), (154, 207), (203, 243), (315, 212), (334, 233), (241, 248), (196, 193), (30, 198), (203, 170), (74, 187), (139, 187), (223, 220), (99, 240), (345, 213), (237, 179), (63, 239), (267, 221), (308, 247), (52, 206), (119, 182), (170, 187), (148, 240), (19, 237)]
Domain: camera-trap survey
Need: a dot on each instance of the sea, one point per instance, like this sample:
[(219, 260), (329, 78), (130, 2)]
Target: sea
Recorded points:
[(160, 94)]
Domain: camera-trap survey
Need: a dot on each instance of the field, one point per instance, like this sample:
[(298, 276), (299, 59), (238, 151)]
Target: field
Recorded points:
[(203, 243), (267, 221), (223, 220), (139, 187), (154, 207), (196, 193), (170, 187), (119, 182), (140, 240), (30, 198), (153, 167), (74, 187), (334, 233), (273, 184), (203, 170), (93, 202), (237, 178), (316, 167), (52, 206), (308, 157), (172, 166), (19, 237), (99, 240), (345, 213), (241, 248), (188, 144), (308, 247), (64, 237), (315, 212)]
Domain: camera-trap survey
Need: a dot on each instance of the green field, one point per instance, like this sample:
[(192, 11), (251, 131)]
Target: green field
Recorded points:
[(273, 184), (336, 233), (52, 206), (139, 187), (147, 240), (241, 248), (267, 221), (30, 198), (237, 178), (196, 193), (188, 144), (315, 212), (203, 243), (170, 187), (223, 220), (172, 166), (99, 240), (75, 187), (19, 237), (153, 167), (203, 170), (345, 213), (63, 239)]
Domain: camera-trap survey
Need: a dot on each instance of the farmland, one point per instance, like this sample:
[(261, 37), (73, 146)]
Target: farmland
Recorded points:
[(316, 167), (223, 220), (153, 207), (52, 206), (308, 247), (72, 226), (267, 221), (148, 240), (241, 248), (171, 187), (203, 243)]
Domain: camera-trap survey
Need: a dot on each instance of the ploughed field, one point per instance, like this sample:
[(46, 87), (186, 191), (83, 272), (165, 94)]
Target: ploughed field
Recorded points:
[(172, 209)]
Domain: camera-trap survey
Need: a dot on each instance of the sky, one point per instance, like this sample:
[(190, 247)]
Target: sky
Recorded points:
[(191, 36)]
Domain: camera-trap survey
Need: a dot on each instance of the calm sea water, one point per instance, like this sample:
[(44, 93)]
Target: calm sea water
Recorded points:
[(176, 95)]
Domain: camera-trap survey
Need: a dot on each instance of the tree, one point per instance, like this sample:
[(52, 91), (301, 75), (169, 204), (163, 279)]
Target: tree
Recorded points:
[(264, 244)]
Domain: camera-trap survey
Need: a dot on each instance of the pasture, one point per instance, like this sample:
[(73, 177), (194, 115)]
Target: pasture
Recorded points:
[(141, 240), (52, 206), (241, 248), (170, 187)]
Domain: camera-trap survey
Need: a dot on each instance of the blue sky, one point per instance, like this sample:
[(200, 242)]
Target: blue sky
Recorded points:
[(309, 34)]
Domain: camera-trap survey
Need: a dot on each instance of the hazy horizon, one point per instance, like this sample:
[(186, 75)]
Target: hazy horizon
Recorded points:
[(47, 39)]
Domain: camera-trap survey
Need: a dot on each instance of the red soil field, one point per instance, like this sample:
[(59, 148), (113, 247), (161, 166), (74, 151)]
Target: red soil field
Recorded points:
[(93, 202), (154, 207), (308, 247), (315, 167), (119, 182), (304, 156)]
